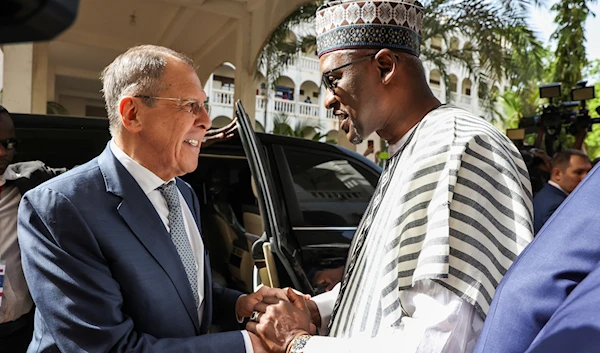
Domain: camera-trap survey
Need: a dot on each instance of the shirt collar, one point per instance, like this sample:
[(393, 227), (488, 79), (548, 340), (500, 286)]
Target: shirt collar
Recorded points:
[(557, 186), (147, 180), (9, 174), (394, 148)]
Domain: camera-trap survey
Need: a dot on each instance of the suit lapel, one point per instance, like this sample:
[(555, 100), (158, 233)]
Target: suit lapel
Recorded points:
[(143, 220)]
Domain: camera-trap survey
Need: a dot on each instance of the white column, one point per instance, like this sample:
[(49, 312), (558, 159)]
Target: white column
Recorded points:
[(25, 88), (18, 77), (297, 98), (51, 83), (40, 78), (245, 69)]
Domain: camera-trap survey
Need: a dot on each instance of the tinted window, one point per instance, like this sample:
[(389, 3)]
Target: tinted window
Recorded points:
[(331, 190)]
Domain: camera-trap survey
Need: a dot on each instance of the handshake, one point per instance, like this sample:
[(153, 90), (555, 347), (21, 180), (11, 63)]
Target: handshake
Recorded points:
[(277, 318)]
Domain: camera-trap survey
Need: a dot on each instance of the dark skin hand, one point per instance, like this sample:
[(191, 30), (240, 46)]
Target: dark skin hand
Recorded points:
[(281, 321)]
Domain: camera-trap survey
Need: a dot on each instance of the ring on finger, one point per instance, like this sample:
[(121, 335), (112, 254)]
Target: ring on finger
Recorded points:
[(255, 316)]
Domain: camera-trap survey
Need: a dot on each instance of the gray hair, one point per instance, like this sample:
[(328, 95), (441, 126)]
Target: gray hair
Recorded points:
[(138, 71)]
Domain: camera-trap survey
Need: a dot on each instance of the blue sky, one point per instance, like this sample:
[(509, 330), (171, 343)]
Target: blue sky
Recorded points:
[(542, 21)]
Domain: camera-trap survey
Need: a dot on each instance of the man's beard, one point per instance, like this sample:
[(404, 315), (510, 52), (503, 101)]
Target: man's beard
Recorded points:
[(356, 139)]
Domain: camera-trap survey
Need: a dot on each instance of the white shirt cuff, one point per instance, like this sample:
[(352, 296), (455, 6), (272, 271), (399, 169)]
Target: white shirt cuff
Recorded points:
[(325, 303), (247, 342), (237, 317)]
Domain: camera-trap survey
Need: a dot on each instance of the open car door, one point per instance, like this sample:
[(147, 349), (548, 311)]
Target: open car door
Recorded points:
[(275, 244)]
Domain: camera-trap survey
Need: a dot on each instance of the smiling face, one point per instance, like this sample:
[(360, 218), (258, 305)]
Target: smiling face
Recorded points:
[(7, 130), (165, 136), (355, 98)]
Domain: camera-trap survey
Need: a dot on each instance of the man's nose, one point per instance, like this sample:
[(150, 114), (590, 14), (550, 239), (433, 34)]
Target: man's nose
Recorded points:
[(3, 151), (203, 119), (329, 99)]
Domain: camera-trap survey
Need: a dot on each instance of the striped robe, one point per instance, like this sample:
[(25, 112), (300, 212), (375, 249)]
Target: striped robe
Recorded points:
[(454, 206)]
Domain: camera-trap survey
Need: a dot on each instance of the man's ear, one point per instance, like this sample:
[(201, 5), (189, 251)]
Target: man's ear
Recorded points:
[(388, 65), (556, 174), (128, 109)]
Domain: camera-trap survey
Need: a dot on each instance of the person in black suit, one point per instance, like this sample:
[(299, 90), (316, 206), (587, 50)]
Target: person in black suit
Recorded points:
[(16, 308), (569, 167)]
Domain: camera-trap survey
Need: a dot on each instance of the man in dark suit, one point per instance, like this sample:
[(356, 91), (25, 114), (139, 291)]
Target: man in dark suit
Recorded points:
[(112, 250), (16, 307), (569, 167), (553, 285), (575, 326)]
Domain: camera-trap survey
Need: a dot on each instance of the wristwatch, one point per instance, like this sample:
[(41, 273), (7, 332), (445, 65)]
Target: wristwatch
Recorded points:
[(297, 345)]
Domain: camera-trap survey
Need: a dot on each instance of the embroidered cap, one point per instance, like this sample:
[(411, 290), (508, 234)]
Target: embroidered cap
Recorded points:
[(356, 24)]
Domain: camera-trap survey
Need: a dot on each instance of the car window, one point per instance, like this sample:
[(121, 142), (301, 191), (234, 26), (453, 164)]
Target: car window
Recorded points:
[(331, 190)]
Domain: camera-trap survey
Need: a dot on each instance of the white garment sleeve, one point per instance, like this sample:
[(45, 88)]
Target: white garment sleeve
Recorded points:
[(439, 322), (325, 303), (247, 342)]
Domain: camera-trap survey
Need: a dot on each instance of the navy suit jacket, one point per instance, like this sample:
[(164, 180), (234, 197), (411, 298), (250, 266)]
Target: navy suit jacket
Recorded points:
[(575, 326), (563, 254), (545, 203), (104, 273)]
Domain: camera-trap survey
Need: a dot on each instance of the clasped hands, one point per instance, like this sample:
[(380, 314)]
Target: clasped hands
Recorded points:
[(278, 316)]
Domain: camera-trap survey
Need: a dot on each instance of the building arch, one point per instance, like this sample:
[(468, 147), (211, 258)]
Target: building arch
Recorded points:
[(220, 121), (467, 87), (454, 44), (309, 90), (435, 78), (223, 77), (332, 136), (436, 42), (453, 83), (284, 88), (259, 127)]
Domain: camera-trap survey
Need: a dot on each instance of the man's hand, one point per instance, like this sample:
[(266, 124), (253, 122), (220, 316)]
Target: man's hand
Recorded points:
[(281, 321), (315, 315), (257, 345), (329, 277), (245, 303), (221, 134)]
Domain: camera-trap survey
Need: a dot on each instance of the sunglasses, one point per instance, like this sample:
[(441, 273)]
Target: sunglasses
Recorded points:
[(328, 80), (10, 143)]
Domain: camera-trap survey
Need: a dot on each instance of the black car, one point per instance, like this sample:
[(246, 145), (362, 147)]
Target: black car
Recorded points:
[(289, 206)]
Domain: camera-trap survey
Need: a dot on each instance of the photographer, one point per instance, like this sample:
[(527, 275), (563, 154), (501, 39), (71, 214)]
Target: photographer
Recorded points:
[(569, 167)]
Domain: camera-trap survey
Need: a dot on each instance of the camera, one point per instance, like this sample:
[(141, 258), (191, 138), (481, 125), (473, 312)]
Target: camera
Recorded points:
[(572, 116)]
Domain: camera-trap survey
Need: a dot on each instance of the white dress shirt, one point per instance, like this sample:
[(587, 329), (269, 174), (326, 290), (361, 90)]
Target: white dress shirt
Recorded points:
[(16, 300), (557, 186), (439, 322), (149, 182)]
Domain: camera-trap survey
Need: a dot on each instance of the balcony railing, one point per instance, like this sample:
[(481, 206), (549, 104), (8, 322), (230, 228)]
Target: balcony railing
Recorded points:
[(284, 106), (309, 64), (221, 97), (453, 97), (308, 109), (436, 91), (464, 99), (330, 114), (260, 103)]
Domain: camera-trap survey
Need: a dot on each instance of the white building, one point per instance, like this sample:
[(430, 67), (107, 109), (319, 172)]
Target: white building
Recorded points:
[(301, 80), (66, 70)]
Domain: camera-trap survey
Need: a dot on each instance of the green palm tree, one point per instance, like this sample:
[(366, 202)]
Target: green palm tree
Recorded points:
[(495, 28), (281, 49), (302, 129), (570, 51)]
